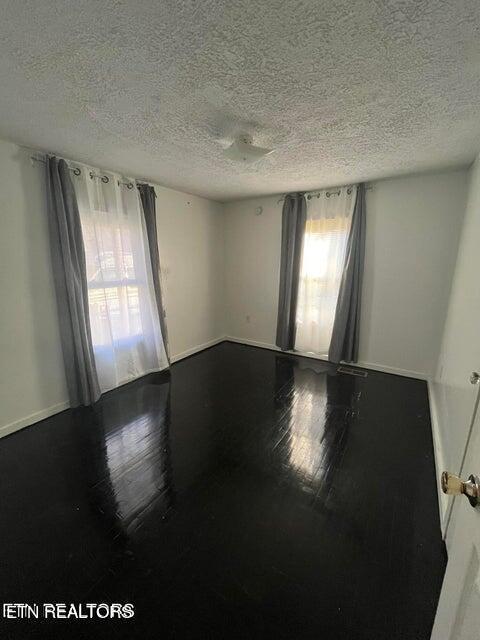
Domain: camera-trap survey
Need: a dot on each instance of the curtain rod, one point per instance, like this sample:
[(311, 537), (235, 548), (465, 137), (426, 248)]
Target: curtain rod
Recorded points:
[(77, 171), (335, 191)]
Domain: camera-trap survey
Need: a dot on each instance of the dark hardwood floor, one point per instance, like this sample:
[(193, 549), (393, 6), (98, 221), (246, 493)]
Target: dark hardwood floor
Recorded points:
[(246, 494)]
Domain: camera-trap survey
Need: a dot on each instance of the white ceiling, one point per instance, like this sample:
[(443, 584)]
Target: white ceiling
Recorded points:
[(344, 90)]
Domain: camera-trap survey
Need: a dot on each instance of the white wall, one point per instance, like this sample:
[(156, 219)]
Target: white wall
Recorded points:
[(413, 227), (32, 384), (191, 245), (411, 248)]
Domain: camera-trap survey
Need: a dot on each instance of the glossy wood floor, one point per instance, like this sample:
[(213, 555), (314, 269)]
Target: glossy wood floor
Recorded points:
[(247, 494)]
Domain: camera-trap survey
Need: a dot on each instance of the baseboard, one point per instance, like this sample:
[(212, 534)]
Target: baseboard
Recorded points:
[(439, 456), (193, 350), (383, 368), (57, 408), (27, 421), (365, 365), (254, 343)]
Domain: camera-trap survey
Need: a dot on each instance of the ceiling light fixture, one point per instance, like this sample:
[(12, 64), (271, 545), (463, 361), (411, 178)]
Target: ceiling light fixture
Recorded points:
[(243, 150)]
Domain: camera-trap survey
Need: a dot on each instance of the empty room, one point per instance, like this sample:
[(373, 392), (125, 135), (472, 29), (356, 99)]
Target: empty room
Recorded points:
[(239, 350)]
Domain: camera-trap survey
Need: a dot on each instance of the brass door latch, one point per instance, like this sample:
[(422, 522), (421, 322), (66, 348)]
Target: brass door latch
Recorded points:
[(455, 486)]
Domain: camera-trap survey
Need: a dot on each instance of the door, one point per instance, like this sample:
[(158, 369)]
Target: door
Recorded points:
[(458, 613), (454, 394)]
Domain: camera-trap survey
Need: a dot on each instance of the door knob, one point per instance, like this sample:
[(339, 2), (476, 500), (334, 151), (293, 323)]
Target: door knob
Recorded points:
[(475, 377), (455, 486)]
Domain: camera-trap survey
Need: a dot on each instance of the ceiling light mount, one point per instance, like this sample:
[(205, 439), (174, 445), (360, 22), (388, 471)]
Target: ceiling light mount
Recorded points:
[(243, 150)]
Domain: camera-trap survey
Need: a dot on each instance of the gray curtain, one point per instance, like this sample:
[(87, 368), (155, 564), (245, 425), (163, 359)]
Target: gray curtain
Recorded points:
[(70, 277), (294, 217), (148, 197), (346, 326)]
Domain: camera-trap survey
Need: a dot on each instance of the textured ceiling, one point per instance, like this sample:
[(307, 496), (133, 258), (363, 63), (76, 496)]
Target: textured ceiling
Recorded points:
[(344, 90)]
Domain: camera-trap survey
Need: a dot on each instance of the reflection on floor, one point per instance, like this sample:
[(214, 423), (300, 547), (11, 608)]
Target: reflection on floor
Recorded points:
[(246, 494)]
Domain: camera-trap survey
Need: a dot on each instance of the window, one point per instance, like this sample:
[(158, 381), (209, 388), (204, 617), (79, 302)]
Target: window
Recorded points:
[(323, 256), (124, 321), (113, 287)]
